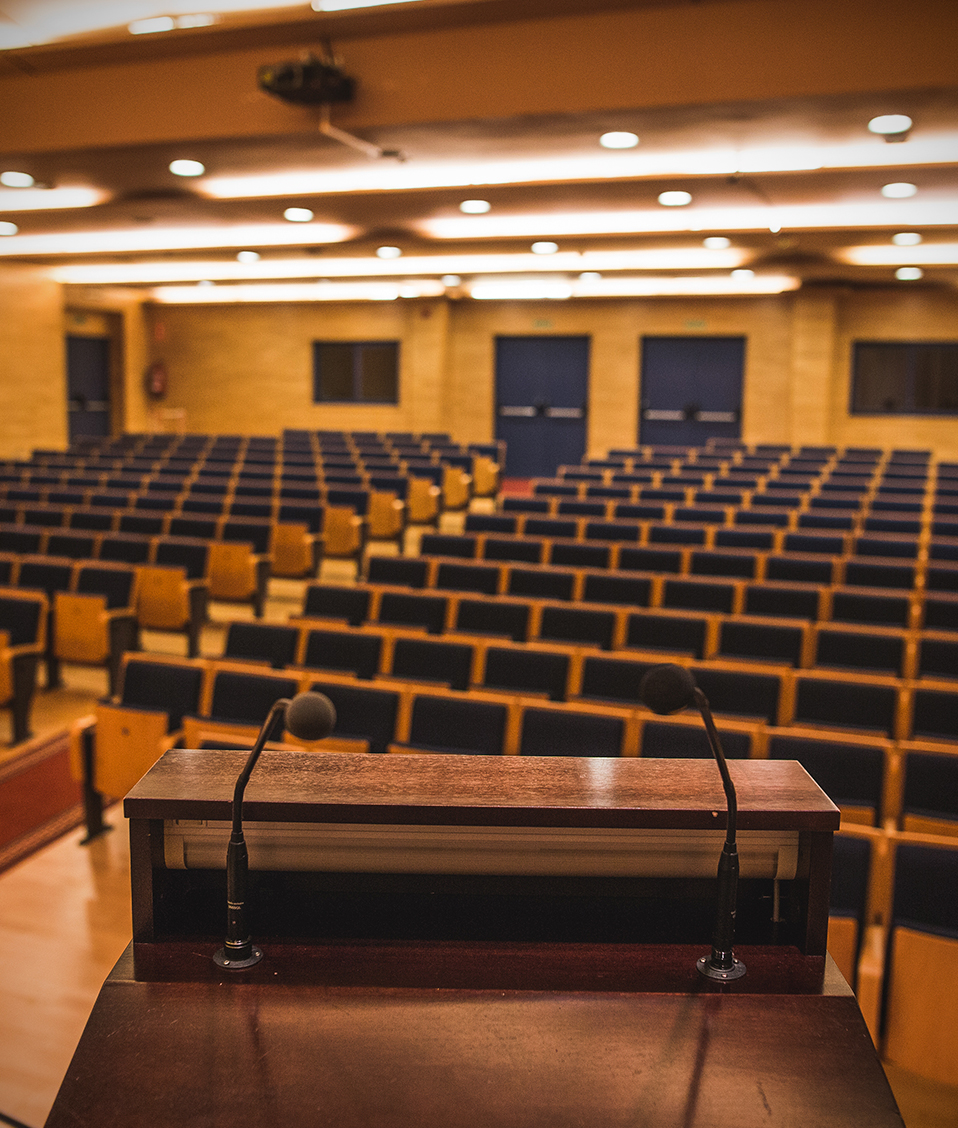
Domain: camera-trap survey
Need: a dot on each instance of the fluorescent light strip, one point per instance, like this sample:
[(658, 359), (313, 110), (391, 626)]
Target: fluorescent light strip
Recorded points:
[(926, 254), (349, 5), (936, 150), (510, 289), (48, 199), (175, 239), (296, 292), (798, 217), (681, 258), (50, 22), (723, 284)]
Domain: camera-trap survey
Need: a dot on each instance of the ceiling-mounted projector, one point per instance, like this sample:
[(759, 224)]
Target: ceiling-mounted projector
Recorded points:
[(309, 82)]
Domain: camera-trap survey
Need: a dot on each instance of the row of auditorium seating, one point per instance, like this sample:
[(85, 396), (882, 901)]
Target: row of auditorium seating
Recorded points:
[(197, 702), (721, 508), (377, 497), (874, 560), (561, 658), (826, 641), (893, 931), (699, 595)]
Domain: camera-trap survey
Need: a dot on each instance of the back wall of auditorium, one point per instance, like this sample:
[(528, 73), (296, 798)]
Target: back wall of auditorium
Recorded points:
[(249, 369)]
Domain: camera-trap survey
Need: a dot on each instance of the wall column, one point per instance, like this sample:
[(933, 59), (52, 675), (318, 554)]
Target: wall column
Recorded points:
[(814, 327), (33, 385)]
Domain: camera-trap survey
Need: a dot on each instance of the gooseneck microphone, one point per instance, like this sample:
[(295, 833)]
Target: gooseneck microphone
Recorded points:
[(308, 716), (667, 689)]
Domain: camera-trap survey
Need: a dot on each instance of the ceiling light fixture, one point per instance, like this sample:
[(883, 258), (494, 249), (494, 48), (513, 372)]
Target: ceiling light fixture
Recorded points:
[(909, 273), (187, 168), (717, 242), (388, 252), (48, 199), (157, 24), (618, 139), (908, 254), (898, 191), (413, 176), (451, 280), (899, 213), (151, 26), (7, 229), (475, 207), (348, 5), (295, 292), (248, 257), (743, 273), (544, 247), (458, 265), (906, 239), (298, 215), (622, 287), (590, 276), (893, 127), (16, 179), (675, 199), (145, 239)]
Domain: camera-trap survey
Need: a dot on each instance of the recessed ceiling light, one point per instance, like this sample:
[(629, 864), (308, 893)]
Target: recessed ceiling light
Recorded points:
[(348, 5), (475, 207), (590, 276), (898, 191), (206, 282), (388, 252), (16, 180), (151, 26), (298, 215), (187, 168), (618, 139), (906, 239), (8, 228), (544, 247), (889, 124), (717, 242), (676, 199), (200, 19), (451, 280), (248, 256), (909, 273), (743, 273)]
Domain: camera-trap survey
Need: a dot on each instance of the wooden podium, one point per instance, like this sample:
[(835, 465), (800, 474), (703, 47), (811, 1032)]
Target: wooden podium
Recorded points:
[(476, 942)]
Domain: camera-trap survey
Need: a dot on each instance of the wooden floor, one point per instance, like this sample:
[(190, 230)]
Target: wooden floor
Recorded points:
[(65, 918)]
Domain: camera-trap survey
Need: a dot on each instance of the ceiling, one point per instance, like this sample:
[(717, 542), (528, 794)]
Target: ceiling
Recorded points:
[(794, 184)]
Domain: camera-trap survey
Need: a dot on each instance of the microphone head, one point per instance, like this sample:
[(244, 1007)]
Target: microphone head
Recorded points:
[(667, 688), (310, 716)]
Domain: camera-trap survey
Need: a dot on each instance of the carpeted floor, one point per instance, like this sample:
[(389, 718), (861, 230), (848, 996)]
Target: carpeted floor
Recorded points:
[(39, 799)]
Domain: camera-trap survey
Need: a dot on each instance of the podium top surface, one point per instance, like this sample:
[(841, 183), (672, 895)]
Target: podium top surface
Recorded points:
[(482, 791)]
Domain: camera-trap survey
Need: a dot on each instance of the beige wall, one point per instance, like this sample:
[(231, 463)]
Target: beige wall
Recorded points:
[(248, 369), (32, 362)]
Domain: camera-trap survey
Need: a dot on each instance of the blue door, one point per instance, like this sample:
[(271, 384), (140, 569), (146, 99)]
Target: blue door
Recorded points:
[(88, 386), (691, 390), (542, 392)]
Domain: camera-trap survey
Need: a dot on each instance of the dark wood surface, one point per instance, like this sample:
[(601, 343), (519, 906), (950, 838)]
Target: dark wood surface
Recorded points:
[(232, 1052), (482, 790)]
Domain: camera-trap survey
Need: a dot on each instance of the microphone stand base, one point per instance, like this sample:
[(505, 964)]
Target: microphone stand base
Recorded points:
[(222, 958), (720, 974)]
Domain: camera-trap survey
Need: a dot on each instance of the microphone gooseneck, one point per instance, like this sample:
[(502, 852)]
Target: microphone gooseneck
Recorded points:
[(666, 689), (309, 716)]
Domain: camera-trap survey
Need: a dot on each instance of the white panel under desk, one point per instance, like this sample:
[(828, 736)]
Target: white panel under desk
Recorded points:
[(552, 851)]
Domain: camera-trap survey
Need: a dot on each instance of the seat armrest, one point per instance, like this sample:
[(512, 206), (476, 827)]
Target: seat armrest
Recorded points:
[(871, 972)]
